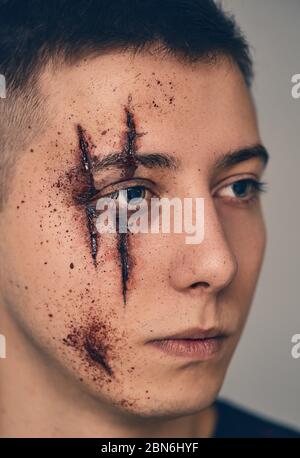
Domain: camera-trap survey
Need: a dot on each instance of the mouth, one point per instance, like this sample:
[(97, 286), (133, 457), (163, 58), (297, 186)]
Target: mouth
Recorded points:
[(193, 343)]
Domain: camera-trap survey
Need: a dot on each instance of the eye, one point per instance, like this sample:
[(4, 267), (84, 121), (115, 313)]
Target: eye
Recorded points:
[(128, 197), (243, 190)]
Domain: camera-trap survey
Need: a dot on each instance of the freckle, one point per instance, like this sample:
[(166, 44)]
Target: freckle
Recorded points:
[(71, 265), (104, 132), (26, 287)]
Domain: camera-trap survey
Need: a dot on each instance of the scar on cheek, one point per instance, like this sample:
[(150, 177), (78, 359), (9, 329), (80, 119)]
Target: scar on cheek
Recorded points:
[(90, 192), (91, 343), (96, 352), (123, 249)]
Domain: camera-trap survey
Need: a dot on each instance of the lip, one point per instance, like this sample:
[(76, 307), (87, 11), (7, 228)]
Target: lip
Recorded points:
[(193, 343), (196, 333)]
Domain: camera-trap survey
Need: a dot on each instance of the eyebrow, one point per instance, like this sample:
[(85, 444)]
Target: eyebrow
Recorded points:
[(241, 155), (150, 160), (168, 161)]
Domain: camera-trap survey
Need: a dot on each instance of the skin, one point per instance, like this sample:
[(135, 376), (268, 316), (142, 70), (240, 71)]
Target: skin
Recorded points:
[(86, 365)]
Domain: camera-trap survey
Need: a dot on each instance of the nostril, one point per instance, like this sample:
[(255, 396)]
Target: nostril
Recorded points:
[(200, 283)]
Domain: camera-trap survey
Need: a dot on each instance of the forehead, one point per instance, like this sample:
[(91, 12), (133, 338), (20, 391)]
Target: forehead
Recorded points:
[(179, 107)]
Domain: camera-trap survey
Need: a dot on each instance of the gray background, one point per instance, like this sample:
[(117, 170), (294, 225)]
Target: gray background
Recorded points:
[(263, 375)]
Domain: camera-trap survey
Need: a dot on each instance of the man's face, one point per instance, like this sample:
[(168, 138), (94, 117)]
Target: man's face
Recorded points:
[(93, 302)]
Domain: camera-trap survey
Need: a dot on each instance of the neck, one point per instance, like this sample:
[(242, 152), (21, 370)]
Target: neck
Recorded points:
[(37, 399)]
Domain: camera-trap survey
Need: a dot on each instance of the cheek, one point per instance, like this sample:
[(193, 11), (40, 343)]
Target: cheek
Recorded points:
[(245, 231), (72, 310), (52, 282), (246, 235), (150, 295), (250, 248)]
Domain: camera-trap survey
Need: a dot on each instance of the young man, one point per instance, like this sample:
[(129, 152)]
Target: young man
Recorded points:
[(122, 334)]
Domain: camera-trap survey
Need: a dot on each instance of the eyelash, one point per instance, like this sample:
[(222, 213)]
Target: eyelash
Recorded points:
[(129, 188), (256, 188), (124, 188)]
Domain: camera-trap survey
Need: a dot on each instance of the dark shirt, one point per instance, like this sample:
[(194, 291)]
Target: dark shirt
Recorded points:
[(233, 421)]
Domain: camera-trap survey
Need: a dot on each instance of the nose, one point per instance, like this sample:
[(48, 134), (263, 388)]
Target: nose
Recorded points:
[(210, 265)]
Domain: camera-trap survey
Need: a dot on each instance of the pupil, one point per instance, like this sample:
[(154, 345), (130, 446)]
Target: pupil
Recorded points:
[(135, 193), (240, 188)]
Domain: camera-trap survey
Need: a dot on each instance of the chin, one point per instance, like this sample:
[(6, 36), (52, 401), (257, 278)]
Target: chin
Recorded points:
[(166, 404), (165, 409)]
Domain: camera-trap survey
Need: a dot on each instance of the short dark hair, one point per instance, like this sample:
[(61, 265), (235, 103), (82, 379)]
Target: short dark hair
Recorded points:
[(32, 31)]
